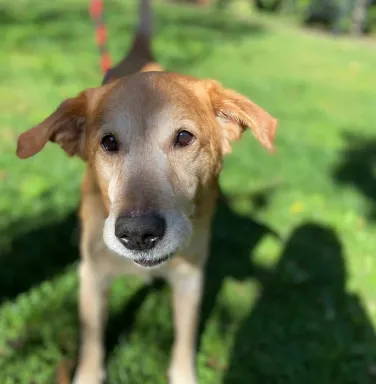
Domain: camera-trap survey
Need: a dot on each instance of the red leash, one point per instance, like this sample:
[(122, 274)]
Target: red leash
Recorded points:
[(96, 13)]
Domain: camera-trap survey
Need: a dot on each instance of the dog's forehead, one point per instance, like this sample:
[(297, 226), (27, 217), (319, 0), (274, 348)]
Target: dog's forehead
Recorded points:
[(150, 96)]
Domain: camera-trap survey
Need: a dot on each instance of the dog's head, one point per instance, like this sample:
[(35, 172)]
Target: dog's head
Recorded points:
[(155, 142)]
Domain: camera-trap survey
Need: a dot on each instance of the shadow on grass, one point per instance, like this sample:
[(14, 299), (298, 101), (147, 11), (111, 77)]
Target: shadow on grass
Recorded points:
[(211, 21), (305, 327), (357, 168), (187, 36), (54, 26), (233, 241), (122, 322), (36, 255), (198, 35), (11, 16)]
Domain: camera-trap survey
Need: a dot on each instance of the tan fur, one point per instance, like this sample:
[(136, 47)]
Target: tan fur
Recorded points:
[(145, 112)]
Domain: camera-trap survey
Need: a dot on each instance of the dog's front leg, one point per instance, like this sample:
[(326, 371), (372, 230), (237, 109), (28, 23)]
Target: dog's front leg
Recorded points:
[(93, 316), (187, 283)]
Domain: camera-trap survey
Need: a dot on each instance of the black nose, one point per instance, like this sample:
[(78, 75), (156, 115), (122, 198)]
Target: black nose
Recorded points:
[(140, 232)]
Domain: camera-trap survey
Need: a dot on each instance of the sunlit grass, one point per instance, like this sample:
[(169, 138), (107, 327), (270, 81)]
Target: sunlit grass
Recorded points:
[(293, 308)]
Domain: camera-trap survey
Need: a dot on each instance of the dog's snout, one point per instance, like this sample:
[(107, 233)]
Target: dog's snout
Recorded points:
[(140, 232)]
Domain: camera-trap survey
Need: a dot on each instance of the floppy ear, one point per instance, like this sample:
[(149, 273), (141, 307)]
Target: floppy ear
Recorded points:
[(235, 113), (65, 126)]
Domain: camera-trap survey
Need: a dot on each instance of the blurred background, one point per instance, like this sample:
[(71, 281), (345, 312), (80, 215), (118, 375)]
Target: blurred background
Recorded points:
[(291, 280)]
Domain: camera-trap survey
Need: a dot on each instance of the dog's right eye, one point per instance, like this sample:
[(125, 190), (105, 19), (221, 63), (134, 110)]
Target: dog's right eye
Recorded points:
[(109, 143)]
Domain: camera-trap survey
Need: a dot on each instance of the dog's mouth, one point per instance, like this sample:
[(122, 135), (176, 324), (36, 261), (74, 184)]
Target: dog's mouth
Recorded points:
[(146, 263)]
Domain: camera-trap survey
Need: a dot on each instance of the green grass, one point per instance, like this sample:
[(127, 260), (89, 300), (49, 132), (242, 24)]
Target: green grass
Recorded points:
[(291, 285)]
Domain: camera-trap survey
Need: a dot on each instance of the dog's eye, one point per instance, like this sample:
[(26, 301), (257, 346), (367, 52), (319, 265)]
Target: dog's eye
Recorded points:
[(109, 143), (184, 138)]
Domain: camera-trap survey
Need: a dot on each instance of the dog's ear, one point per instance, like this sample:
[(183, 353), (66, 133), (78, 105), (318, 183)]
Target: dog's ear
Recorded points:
[(65, 126), (236, 112)]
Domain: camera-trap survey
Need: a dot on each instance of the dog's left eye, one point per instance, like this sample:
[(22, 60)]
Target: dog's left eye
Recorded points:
[(184, 138), (109, 143)]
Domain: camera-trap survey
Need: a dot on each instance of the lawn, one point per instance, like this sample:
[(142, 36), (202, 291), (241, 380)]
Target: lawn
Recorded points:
[(291, 281)]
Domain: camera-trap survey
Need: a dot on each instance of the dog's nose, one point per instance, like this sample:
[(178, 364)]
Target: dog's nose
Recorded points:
[(140, 232)]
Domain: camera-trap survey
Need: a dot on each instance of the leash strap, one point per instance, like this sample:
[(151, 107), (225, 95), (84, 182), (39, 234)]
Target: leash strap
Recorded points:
[(96, 13)]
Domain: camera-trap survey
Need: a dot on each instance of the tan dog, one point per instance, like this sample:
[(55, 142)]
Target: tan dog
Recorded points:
[(153, 143)]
